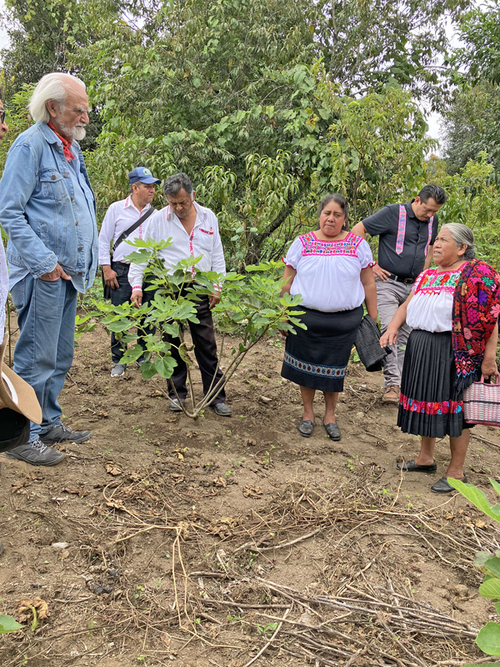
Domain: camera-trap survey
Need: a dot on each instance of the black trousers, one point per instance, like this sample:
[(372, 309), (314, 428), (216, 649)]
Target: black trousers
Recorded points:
[(121, 295), (205, 350)]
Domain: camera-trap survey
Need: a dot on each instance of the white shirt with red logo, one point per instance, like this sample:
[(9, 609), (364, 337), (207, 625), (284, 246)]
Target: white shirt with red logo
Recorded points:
[(204, 240)]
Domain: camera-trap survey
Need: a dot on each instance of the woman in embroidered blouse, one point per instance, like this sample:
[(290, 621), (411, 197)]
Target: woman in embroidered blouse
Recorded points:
[(332, 269), (453, 311)]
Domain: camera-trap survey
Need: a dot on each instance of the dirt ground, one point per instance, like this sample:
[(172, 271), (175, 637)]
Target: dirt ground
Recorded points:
[(164, 540)]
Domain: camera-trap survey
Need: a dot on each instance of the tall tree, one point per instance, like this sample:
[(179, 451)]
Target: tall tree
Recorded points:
[(255, 99), (43, 34), (369, 45), (479, 32), (472, 119), (472, 125)]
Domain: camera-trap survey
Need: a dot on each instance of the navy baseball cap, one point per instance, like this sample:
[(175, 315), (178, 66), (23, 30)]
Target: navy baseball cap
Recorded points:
[(143, 175)]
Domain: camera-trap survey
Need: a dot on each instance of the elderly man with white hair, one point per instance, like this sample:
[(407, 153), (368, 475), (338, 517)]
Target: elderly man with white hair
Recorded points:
[(48, 210)]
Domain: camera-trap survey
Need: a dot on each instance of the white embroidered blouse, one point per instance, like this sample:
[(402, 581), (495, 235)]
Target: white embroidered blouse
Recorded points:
[(431, 308), (328, 272)]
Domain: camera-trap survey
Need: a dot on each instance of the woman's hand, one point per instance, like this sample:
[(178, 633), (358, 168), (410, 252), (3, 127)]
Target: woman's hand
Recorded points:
[(489, 365), (489, 368), (389, 337)]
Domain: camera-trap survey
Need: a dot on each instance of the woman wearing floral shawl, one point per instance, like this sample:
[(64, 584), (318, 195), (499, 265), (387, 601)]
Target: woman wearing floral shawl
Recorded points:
[(453, 310)]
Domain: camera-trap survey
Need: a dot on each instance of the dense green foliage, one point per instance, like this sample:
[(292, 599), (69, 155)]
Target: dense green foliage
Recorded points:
[(257, 113), (472, 119), (472, 125), (268, 105), (45, 33)]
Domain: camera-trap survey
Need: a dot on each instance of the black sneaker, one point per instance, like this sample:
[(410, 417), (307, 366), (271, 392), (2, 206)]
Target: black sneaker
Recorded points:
[(62, 433), (36, 454)]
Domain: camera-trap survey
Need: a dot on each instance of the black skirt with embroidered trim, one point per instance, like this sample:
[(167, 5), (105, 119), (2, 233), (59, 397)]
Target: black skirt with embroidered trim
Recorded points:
[(429, 405), (317, 357)]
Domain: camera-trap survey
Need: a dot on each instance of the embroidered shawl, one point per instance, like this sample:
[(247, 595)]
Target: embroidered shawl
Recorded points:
[(476, 307)]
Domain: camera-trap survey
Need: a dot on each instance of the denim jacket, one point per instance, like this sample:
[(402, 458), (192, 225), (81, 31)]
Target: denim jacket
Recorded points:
[(37, 208)]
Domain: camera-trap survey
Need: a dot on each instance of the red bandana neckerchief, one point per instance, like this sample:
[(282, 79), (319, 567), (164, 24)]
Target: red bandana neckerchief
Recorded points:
[(66, 144)]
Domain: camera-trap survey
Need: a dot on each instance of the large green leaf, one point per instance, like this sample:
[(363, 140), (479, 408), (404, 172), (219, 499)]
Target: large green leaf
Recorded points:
[(476, 497), (148, 370), (482, 557), (493, 566), (9, 624), (490, 589), (118, 327), (488, 639), (165, 366)]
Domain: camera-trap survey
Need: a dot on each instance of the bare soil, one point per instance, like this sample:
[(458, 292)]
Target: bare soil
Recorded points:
[(164, 540)]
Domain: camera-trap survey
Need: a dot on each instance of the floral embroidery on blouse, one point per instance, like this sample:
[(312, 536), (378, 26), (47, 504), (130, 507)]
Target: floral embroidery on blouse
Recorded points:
[(433, 282), (313, 246)]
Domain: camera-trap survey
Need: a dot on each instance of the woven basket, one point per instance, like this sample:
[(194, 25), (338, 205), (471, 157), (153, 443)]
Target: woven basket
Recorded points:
[(482, 403)]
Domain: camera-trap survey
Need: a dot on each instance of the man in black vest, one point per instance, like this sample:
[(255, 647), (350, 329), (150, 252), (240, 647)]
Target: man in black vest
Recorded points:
[(406, 235), (119, 218)]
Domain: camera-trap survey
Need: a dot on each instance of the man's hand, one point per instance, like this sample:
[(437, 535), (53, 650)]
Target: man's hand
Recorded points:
[(489, 368), (109, 276), (55, 274), (213, 299), (136, 298), (381, 273)]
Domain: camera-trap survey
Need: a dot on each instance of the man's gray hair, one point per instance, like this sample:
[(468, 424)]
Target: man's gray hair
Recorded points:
[(462, 235), (178, 182), (53, 86)]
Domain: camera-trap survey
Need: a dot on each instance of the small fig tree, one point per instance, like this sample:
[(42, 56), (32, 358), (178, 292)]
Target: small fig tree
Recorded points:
[(251, 307)]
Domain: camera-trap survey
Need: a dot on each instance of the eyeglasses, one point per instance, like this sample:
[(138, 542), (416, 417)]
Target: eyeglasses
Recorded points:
[(2, 115)]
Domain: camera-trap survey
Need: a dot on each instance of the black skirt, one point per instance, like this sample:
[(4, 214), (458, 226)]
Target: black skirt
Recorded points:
[(317, 357), (429, 405)]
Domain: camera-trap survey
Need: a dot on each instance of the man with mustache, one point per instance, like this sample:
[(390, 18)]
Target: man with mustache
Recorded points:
[(194, 231), (48, 211)]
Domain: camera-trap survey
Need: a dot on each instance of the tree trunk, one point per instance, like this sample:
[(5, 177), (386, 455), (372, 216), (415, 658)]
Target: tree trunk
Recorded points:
[(256, 241)]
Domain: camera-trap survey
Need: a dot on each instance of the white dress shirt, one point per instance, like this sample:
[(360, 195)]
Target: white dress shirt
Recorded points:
[(203, 240), (119, 217)]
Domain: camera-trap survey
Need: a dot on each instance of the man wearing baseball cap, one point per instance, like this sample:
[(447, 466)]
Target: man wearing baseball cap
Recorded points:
[(124, 221)]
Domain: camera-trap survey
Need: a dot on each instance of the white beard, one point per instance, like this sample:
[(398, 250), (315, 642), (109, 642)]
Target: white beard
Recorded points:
[(77, 132)]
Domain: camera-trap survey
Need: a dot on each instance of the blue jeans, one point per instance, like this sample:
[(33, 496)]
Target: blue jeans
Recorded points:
[(44, 352)]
